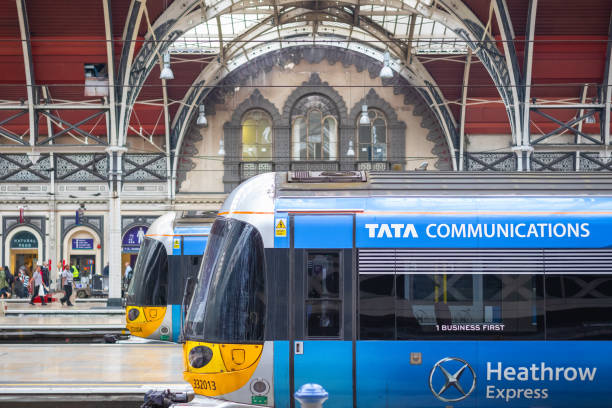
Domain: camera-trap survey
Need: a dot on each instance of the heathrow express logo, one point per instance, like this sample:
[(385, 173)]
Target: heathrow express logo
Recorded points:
[(447, 369)]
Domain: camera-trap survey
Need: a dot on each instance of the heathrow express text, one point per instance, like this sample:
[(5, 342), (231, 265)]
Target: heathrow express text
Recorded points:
[(534, 373), (490, 230)]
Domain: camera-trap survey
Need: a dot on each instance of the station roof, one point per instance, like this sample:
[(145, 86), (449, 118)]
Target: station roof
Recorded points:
[(571, 39)]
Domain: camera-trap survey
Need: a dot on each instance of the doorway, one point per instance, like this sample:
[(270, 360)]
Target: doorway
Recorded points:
[(25, 257), (85, 264)]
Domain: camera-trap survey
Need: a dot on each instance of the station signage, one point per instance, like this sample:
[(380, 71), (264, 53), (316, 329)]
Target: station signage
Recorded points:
[(24, 240), (133, 239), (82, 243)]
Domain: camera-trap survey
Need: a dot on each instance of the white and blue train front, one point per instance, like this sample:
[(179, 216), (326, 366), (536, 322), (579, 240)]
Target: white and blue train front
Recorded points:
[(401, 291)]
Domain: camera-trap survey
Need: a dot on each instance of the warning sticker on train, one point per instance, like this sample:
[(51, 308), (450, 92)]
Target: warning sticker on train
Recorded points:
[(177, 244), (281, 227)]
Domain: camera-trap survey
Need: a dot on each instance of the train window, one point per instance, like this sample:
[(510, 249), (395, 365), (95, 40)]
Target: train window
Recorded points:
[(376, 308), (405, 306), (149, 285), (323, 275), (229, 304), (471, 306), (323, 294), (578, 307)]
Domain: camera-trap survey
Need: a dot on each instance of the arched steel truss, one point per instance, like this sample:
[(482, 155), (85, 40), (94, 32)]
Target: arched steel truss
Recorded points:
[(182, 16)]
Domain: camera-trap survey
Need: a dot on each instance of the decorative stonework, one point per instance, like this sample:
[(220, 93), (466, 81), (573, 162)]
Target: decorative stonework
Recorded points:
[(282, 127)]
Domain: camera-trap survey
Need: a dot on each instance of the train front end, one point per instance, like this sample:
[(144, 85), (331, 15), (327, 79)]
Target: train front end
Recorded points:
[(146, 298), (226, 355)]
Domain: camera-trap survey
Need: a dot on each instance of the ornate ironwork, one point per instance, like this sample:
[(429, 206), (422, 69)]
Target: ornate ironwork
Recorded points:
[(19, 168), (594, 162), (144, 167), (373, 166), (490, 162), (315, 166), (81, 167), (250, 169), (546, 161)]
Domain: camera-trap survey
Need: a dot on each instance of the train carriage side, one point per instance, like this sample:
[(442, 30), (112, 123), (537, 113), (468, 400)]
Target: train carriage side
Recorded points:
[(405, 292)]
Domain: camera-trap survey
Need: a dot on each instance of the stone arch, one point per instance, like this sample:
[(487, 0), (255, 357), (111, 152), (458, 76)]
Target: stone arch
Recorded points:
[(32, 229), (232, 136), (98, 240)]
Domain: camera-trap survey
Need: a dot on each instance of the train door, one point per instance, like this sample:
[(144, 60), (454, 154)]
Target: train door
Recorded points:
[(322, 326)]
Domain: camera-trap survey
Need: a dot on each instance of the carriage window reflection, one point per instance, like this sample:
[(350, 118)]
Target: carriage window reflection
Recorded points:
[(412, 306), (323, 294)]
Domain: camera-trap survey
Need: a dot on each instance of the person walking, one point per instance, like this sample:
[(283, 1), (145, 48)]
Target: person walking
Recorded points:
[(66, 278), (38, 286)]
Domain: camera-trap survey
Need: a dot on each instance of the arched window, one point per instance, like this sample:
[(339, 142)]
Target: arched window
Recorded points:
[(314, 129), (372, 138), (256, 136)]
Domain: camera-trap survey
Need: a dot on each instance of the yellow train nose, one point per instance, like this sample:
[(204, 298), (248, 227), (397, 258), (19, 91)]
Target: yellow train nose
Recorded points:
[(216, 369), (144, 321)]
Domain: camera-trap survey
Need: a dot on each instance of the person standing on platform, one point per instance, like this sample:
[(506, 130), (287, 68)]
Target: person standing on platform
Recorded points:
[(75, 273), (10, 279), (66, 278), (5, 290), (127, 277), (25, 281), (38, 286)]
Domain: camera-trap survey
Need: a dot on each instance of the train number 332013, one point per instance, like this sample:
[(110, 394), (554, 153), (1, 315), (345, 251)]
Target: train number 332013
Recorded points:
[(204, 385)]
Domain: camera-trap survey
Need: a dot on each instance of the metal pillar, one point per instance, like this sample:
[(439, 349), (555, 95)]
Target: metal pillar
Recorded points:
[(24, 29), (464, 91), (606, 91), (527, 69)]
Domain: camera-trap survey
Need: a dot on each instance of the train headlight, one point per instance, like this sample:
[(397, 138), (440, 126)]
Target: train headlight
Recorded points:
[(133, 314), (200, 356)]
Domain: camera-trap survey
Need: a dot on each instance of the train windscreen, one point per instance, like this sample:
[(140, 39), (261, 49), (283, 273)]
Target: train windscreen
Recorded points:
[(229, 303), (149, 285)]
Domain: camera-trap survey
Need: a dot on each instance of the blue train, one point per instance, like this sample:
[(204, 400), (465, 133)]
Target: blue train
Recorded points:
[(407, 290), (169, 259)]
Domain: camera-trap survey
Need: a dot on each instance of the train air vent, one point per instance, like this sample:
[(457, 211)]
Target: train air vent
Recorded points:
[(326, 176)]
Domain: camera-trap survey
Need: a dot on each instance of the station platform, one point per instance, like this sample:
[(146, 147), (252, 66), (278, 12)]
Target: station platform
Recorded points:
[(83, 322), (88, 375)]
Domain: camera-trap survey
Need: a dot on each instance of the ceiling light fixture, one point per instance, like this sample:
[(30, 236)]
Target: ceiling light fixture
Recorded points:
[(166, 72), (386, 71), (201, 121), (350, 152), (364, 119)]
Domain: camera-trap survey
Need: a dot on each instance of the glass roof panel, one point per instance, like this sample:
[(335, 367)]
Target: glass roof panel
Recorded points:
[(429, 37)]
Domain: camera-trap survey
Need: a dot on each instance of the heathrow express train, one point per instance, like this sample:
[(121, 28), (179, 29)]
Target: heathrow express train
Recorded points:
[(407, 290), (168, 259)]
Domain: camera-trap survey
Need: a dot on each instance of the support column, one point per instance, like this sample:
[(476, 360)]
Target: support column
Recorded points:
[(114, 222), (52, 251)]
